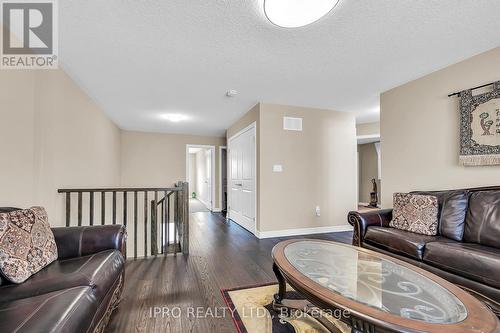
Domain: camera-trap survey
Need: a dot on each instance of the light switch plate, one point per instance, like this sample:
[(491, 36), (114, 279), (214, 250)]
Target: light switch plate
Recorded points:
[(277, 168)]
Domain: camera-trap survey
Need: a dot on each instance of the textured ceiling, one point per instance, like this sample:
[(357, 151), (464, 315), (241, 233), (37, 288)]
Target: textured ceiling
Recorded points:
[(139, 59)]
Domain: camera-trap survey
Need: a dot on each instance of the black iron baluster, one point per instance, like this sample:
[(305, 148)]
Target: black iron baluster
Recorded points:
[(125, 208), (79, 209), (114, 207), (91, 208), (135, 224), (185, 219), (146, 224), (167, 230), (154, 226), (163, 222), (176, 218), (68, 208), (103, 208)]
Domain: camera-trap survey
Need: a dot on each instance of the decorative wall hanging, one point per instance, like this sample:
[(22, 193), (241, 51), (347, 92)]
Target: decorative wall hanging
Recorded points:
[(480, 127)]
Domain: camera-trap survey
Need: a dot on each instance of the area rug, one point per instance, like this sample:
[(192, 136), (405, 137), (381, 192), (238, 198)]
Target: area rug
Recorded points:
[(252, 312)]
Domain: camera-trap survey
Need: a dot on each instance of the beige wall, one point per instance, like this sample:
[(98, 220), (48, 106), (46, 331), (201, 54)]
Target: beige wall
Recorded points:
[(368, 169), (53, 136), (420, 130), (17, 138), (252, 116), (368, 129), (156, 159), (318, 167)]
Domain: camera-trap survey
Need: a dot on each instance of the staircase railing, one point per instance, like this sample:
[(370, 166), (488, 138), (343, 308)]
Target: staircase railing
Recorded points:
[(162, 222)]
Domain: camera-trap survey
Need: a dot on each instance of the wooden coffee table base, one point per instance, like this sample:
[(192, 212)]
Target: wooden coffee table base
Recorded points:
[(288, 306)]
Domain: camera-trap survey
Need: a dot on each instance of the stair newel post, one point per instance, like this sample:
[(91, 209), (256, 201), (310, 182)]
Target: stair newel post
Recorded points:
[(185, 218)]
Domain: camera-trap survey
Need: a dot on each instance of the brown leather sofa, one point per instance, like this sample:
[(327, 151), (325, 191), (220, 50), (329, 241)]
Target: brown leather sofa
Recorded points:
[(77, 292), (466, 250)]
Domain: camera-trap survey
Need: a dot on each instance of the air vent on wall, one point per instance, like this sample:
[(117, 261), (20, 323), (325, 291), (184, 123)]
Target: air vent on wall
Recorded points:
[(292, 124)]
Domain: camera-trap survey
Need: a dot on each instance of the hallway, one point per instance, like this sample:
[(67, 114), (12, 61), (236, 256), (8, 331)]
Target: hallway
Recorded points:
[(196, 206), (222, 255)]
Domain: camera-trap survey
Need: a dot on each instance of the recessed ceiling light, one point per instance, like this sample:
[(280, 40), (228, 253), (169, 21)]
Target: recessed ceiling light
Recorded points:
[(297, 13), (174, 117)]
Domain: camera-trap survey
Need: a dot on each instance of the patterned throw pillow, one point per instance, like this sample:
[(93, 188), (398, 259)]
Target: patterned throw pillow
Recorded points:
[(415, 213), (26, 243)]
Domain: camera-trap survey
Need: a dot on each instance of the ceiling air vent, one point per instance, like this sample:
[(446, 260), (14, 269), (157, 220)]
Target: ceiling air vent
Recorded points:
[(292, 124)]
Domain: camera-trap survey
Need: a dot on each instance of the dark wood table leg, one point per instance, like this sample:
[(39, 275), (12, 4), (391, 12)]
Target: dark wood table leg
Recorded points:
[(299, 305), (289, 307), (282, 285)]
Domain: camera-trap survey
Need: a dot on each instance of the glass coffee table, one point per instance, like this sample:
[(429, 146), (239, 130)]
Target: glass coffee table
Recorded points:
[(374, 292)]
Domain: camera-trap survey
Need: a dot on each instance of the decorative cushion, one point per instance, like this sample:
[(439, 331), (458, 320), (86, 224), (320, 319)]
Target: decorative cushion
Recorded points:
[(26, 243), (452, 210), (416, 213)]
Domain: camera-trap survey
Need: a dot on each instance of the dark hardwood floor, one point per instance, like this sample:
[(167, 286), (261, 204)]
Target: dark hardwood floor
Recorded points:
[(222, 255)]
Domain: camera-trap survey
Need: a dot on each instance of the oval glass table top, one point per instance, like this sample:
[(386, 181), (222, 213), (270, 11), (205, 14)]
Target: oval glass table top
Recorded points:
[(376, 282)]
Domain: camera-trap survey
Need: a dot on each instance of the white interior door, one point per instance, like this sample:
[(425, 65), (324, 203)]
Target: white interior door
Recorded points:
[(242, 175), (203, 165), (208, 172)]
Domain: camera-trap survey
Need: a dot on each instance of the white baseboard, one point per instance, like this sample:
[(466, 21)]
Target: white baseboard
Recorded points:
[(302, 231), (217, 210)]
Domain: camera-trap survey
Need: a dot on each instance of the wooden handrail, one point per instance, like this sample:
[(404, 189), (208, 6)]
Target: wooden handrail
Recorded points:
[(119, 189), (167, 196)]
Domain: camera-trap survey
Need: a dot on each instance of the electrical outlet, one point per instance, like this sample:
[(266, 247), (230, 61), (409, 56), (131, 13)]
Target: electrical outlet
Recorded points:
[(318, 211)]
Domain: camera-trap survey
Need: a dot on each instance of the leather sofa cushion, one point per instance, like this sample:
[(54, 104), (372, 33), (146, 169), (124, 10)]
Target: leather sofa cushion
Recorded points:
[(82, 241), (67, 310), (398, 241), (474, 261), (452, 211), (98, 271), (482, 224)]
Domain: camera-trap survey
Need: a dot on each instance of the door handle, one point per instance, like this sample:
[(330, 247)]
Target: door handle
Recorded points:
[(238, 184)]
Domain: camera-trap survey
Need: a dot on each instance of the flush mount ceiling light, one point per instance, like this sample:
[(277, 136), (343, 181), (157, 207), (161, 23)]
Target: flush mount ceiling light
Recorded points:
[(297, 13), (174, 117)]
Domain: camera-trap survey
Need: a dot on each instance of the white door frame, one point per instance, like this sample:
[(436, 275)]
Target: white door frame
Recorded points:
[(220, 175), (212, 170), (228, 170)]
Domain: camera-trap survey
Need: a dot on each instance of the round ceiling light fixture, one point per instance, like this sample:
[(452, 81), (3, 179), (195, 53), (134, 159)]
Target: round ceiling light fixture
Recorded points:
[(297, 13), (174, 117)]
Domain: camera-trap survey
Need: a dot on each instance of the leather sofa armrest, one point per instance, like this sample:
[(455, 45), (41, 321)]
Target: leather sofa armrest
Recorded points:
[(81, 241), (361, 222)]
